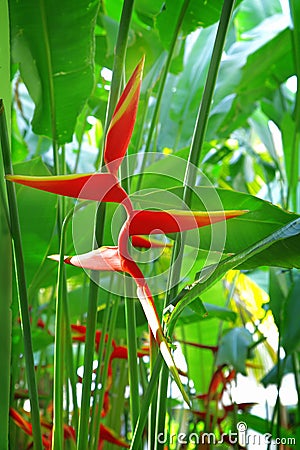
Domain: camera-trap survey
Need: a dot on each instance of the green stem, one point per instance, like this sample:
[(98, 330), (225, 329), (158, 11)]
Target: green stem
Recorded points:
[(5, 246), (57, 438), (21, 284), (83, 432), (62, 330), (296, 370), (70, 360), (111, 328), (202, 118), (132, 359), (130, 318), (99, 232), (100, 378), (203, 114), (172, 288), (190, 175), (152, 386), (161, 88), (294, 162)]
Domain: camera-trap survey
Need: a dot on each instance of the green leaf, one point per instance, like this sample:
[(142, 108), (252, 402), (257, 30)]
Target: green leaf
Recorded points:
[(262, 220), (234, 349), (254, 68), (203, 330), (272, 376), (252, 12), (284, 302), (211, 274), (278, 292), (200, 361), (219, 312), (291, 330), (56, 63), (200, 13), (179, 111)]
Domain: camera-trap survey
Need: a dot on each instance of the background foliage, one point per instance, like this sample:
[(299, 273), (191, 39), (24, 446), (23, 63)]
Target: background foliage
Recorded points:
[(62, 57)]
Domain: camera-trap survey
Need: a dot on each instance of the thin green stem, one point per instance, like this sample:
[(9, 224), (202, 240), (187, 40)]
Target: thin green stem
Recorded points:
[(152, 386), (57, 437), (83, 431), (296, 370), (172, 288), (131, 329), (62, 331), (132, 359), (119, 60), (6, 379), (99, 231), (294, 161), (114, 313), (190, 175), (203, 115), (21, 283), (161, 88), (70, 360), (100, 378)]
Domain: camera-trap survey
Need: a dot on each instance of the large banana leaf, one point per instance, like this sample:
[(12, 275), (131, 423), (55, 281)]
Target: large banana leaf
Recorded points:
[(56, 64), (211, 274)]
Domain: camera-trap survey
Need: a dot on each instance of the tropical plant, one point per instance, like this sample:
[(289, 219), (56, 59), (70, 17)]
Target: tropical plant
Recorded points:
[(138, 178)]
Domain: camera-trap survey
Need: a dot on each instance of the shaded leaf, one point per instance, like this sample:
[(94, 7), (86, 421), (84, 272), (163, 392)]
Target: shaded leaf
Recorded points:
[(261, 221), (234, 348), (58, 77), (211, 274), (291, 330)]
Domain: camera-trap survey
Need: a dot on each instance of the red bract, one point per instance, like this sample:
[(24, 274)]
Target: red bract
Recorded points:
[(118, 352), (106, 433), (122, 123), (105, 187)]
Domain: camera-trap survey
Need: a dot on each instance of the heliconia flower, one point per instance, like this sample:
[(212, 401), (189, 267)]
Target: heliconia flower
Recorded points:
[(119, 351), (239, 406), (102, 187), (106, 433), (105, 187), (110, 258), (27, 427), (172, 221), (212, 348), (122, 123), (144, 242)]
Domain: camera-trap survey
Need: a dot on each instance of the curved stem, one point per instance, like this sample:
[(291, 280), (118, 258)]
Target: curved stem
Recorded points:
[(107, 361), (190, 179), (62, 329), (21, 284), (101, 378), (99, 232), (6, 362), (294, 160), (161, 88), (203, 114)]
